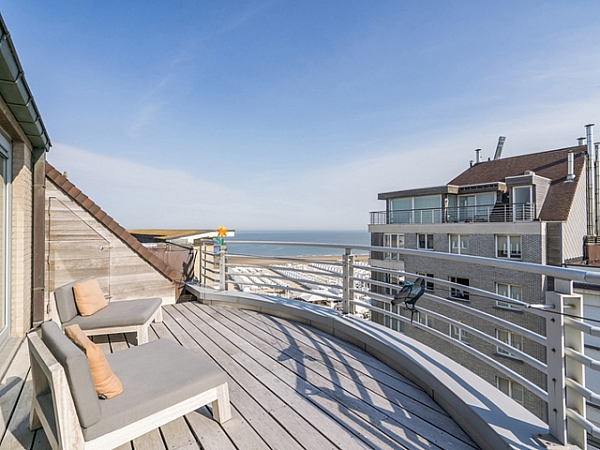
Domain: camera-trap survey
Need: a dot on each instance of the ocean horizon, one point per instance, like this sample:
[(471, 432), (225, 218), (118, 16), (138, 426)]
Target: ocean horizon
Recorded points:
[(341, 237)]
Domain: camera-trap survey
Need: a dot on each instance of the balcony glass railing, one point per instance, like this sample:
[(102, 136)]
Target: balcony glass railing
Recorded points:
[(353, 284), (462, 214)]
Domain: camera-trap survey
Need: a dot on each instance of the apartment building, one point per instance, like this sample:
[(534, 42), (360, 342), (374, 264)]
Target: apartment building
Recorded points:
[(537, 208)]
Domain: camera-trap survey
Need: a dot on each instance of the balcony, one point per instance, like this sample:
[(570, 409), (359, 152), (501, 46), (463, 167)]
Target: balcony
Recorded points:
[(499, 212), (310, 376)]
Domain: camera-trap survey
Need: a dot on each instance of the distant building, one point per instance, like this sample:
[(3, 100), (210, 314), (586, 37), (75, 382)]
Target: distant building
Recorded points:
[(532, 208)]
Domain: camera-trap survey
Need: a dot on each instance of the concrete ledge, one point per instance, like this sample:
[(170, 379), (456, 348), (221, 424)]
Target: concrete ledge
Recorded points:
[(490, 418)]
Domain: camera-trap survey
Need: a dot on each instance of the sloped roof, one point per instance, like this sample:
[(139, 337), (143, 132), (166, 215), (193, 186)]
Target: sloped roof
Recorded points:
[(16, 93), (87, 204), (551, 164)]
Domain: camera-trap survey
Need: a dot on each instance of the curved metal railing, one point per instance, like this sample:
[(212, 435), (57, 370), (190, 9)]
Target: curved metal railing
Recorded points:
[(350, 286)]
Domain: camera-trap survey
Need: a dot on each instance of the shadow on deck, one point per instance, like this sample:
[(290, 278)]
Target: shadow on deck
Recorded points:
[(291, 386)]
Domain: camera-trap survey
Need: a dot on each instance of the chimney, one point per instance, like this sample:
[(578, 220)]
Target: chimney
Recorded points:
[(581, 141), (478, 156), (499, 147), (592, 174), (570, 167)]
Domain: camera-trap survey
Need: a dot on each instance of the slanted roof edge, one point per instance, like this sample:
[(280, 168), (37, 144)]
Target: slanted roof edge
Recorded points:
[(112, 225)]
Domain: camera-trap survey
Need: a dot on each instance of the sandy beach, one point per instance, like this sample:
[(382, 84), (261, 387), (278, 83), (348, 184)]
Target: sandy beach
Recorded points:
[(266, 261)]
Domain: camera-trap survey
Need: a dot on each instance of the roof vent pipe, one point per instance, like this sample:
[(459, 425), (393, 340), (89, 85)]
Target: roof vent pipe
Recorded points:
[(591, 177), (478, 156), (499, 147), (570, 167), (581, 141)]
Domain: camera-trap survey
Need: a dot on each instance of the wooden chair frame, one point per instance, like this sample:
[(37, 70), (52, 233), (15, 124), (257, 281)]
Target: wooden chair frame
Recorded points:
[(61, 423), (141, 331)]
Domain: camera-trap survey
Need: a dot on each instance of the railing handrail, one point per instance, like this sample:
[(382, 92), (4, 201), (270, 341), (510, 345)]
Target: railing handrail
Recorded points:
[(562, 349)]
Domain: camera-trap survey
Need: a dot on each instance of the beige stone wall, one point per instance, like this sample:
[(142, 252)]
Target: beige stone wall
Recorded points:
[(21, 238)]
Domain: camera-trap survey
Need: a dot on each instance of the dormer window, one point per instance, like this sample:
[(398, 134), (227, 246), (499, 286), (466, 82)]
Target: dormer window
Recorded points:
[(522, 203)]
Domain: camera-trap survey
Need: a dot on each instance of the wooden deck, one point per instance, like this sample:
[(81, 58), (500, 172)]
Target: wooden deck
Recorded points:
[(291, 386)]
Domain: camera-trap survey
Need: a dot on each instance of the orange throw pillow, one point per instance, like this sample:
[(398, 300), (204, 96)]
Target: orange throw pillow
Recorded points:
[(89, 297), (106, 382)]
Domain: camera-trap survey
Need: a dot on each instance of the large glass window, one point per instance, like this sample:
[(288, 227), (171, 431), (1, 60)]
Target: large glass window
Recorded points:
[(401, 210), (428, 209), (522, 203), (508, 246)]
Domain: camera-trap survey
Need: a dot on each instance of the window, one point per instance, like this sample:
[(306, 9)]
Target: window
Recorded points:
[(401, 210), (522, 203), (508, 246), (424, 319), (425, 241), (391, 279), (458, 293), (508, 290), (428, 209), (429, 286), (459, 243), (459, 334), (475, 207), (513, 339), (393, 241), (511, 388)]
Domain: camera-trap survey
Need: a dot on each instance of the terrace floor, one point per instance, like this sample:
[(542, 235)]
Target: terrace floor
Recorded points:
[(291, 387)]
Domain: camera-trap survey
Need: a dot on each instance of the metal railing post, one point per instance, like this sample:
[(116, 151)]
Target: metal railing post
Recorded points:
[(347, 282), (555, 357), (223, 267), (575, 371), (202, 277), (566, 430)]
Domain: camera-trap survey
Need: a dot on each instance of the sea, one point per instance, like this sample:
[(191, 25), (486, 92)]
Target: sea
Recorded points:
[(343, 237)]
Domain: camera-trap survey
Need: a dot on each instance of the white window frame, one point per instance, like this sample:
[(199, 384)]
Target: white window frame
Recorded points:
[(514, 390), (510, 288), (458, 333), (429, 286), (388, 241), (424, 319), (428, 241), (508, 337), (509, 238), (453, 290), (460, 239)]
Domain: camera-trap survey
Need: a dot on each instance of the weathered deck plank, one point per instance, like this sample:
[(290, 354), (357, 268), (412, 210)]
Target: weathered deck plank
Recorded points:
[(291, 386), (364, 381), (240, 386), (402, 425)]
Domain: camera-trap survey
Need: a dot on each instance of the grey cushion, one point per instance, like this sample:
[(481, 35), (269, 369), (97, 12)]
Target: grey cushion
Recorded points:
[(118, 314), (65, 300), (78, 373), (155, 376)]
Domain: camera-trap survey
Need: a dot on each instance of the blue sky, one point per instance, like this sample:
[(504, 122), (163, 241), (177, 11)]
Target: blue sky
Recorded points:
[(295, 114)]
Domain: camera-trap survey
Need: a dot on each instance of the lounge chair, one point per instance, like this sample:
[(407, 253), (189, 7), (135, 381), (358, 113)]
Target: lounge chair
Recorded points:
[(161, 382), (118, 317)]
